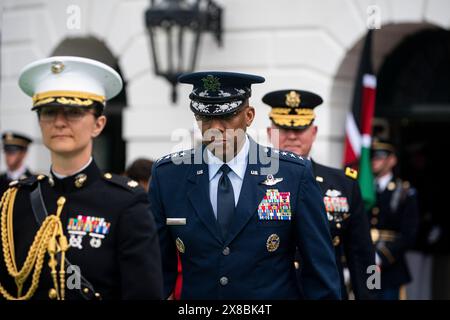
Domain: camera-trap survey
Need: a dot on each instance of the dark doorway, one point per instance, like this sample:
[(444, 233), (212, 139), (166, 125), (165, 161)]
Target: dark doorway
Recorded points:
[(413, 95), (422, 151), (109, 147), (413, 98)]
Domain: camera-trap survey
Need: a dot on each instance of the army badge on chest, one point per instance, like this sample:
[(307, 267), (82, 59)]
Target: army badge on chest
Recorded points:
[(336, 206), (97, 228), (275, 206), (273, 242)]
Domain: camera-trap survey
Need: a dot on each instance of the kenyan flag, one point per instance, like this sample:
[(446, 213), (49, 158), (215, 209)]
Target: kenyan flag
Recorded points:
[(358, 126)]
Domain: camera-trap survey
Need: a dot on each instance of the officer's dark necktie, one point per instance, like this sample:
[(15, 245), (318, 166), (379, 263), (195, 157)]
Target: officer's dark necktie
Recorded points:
[(225, 200)]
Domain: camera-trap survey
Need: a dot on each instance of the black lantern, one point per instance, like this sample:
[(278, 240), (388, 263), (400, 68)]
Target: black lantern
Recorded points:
[(180, 24)]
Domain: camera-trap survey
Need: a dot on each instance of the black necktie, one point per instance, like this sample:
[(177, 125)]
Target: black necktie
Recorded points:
[(225, 200)]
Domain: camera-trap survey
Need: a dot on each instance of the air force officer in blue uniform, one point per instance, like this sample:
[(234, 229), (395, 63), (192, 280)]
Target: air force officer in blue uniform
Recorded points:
[(235, 211)]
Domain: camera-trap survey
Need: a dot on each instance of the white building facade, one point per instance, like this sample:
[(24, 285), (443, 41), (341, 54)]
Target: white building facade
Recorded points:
[(306, 44)]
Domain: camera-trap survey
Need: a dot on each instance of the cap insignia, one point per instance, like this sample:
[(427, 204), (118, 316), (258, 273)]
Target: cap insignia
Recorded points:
[(293, 99), (211, 83), (57, 67)]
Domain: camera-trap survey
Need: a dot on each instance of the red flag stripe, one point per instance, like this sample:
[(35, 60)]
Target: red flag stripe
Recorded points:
[(353, 140), (349, 155), (368, 104)]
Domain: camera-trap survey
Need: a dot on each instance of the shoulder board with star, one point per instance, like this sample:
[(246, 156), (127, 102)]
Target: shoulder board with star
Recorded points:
[(352, 173), (176, 157), (28, 181), (122, 181), (285, 155)]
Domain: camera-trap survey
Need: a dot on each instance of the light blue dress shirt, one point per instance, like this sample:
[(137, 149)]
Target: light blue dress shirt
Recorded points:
[(238, 166)]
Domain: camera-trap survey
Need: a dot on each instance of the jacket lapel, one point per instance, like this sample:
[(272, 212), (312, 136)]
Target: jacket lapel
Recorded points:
[(198, 195)]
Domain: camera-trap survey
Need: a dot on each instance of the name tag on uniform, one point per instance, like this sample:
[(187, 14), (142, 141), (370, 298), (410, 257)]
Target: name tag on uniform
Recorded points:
[(275, 206), (175, 221)]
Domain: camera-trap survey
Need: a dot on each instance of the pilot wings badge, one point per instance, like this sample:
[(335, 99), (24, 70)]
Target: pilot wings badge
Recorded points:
[(271, 180)]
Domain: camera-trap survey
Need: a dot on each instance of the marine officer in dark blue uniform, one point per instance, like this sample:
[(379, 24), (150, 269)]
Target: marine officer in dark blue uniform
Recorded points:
[(394, 221), (77, 233), (293, 129), (236, 211)]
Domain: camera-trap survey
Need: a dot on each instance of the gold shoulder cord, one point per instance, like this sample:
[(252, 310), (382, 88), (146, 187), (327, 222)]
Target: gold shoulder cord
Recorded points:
[(49, 238)]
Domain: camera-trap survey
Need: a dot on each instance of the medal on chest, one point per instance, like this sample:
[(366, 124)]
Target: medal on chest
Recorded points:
[(97, 228), (336, 205)]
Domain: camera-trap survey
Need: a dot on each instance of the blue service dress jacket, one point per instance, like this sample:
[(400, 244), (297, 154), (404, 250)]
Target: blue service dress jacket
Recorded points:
[(275, 213)]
